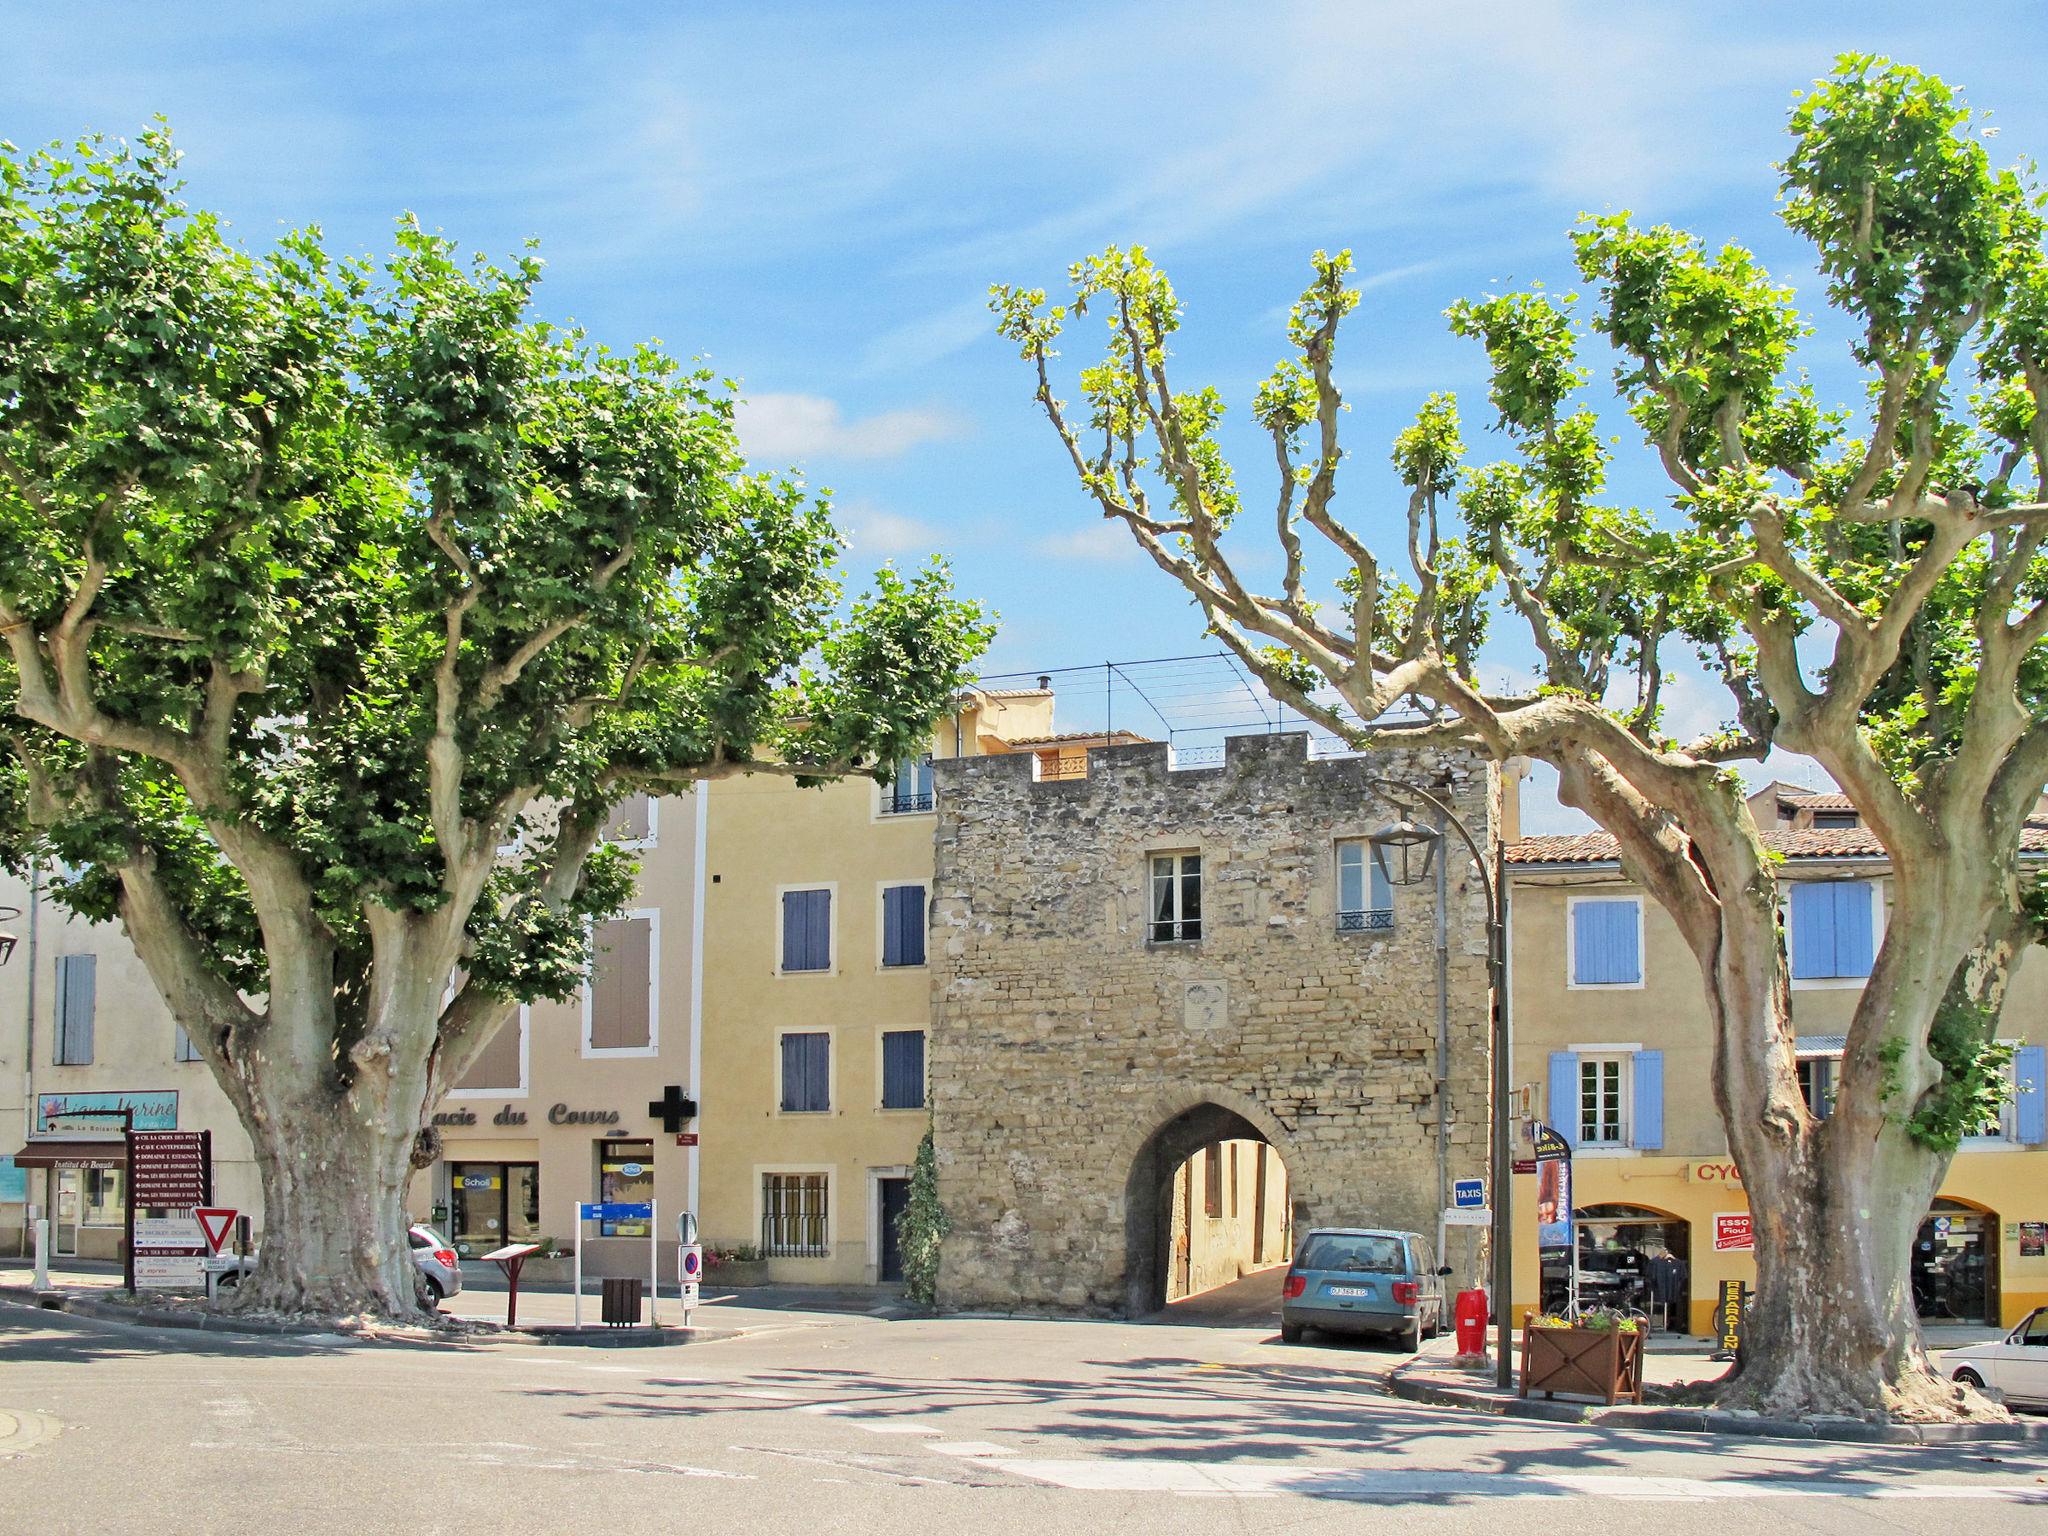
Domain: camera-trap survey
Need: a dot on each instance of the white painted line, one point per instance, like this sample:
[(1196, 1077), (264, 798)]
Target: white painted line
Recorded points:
[(896, 1427), (969, 1448), (764, 1394)]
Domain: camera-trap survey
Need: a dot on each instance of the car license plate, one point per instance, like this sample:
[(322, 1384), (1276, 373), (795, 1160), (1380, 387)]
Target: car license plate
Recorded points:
[(1350, 1290)]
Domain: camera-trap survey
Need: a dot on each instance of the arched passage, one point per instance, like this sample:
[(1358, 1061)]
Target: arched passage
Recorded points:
[(1186, 1178)]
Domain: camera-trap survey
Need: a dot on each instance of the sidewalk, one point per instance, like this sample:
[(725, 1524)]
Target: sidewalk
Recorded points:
[(1431, 1378)]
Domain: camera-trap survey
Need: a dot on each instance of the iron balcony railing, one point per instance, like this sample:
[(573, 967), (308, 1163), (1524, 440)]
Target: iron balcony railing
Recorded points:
[(905, 802), (1374, 921)]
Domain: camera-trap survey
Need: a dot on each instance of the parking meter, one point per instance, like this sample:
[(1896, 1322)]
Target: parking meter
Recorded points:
[(689, 1262)]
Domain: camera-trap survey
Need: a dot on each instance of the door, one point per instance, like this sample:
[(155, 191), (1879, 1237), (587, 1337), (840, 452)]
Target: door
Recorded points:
[(67, 1211), (893, 1196), (477, 1207)]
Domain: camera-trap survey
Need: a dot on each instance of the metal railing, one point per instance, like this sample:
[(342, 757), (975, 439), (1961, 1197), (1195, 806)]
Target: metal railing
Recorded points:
[(905, 803), (793, 1213), (1379, 920)]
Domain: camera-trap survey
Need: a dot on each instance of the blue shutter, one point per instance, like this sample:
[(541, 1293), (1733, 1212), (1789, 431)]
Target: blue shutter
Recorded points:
[(2030, 1104), (903, 925), (77, 979), (1813, 930), (1855, 937), (903, 1069), (1604, 951), (806, 1073), (792, 1071), (1564, 1095), (1647, 1121), (1382, 892), (806, 930)]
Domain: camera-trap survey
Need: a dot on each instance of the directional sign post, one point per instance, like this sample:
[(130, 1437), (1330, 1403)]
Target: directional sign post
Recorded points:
[(619, 1210)]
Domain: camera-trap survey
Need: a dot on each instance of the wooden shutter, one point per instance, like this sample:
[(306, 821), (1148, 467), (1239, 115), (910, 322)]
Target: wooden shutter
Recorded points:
[(806, 1073), (632, 820), (1564, 1095), (77, 981), (806, 930), (497, 1064), (903, 1069), (621, 985), (903, 925)]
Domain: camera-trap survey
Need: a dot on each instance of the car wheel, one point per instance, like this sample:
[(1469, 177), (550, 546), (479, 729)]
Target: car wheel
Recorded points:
[(1969, 1378), (435, 1295), (1410, 1338), (228, 1281), (1290, 1333)]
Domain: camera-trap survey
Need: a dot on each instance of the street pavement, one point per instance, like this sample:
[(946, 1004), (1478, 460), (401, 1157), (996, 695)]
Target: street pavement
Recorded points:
[(825, 1421)]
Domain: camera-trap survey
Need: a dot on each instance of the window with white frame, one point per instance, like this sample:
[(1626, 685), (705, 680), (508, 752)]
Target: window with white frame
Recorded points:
[(795, 1215), (806, 1072), (909, 789), (182, 1047), (806, 937), (1605, 942), (1365, 901), (633, 822), (1603, 1101), (619, 1009), (1176, 897)]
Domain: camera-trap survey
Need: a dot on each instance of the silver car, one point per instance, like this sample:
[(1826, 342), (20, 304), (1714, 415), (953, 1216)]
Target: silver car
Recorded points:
[(438, 1265)]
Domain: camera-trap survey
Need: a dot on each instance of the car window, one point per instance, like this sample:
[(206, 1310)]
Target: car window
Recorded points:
[(2035, 1329), (1366, 1255)]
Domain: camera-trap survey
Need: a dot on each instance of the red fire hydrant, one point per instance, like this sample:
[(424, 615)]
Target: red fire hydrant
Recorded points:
[(1471, 1314)]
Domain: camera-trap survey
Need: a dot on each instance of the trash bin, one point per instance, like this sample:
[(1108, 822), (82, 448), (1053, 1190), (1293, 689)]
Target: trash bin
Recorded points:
[(1471, 1315), (621, 1302)]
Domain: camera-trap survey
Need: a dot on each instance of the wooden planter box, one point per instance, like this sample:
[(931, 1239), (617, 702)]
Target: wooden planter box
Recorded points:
[(1606, 1363)]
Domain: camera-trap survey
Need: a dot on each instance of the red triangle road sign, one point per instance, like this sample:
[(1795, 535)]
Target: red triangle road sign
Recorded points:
[(214, 1225)]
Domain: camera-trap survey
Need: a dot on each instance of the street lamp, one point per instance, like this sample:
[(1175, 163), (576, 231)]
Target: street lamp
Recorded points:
[(1405, 853)]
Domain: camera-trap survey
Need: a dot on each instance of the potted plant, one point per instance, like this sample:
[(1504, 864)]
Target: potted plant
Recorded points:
[(735, 1264), (1596, 1353)]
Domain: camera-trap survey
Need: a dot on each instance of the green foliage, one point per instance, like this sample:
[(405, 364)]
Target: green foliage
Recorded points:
[(314, 513), (923, 1226)]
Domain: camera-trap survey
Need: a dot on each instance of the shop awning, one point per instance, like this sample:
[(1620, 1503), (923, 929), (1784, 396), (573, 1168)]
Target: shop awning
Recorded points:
[(71, 1154), (1819, 1045)]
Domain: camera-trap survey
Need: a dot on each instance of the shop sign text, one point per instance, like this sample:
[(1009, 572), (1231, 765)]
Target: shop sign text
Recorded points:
[(1714, 1173), (60, 1112), (506, 1116), (562, 1114), (1733, 1232)]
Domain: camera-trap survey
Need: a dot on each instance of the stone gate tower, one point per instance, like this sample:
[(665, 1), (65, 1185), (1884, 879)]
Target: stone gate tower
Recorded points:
[(1087, 1035)]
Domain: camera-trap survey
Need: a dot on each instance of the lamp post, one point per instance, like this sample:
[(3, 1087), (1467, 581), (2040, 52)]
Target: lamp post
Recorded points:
[(1406, 852)]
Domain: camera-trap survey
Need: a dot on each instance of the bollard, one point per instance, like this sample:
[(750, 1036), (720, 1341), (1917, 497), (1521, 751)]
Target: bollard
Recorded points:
[(42, 1253)]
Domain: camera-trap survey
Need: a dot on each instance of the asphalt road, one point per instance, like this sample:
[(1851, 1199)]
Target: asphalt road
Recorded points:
[(818, 1422)]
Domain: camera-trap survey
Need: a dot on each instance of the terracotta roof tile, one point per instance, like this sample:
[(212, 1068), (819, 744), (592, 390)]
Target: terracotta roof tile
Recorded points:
[(1825, 843)]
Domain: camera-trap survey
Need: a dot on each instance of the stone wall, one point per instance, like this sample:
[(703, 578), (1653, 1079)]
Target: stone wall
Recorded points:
[(1074, 1063)]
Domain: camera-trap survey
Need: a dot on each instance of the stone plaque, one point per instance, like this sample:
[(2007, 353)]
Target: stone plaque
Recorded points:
[(1206, 1005)]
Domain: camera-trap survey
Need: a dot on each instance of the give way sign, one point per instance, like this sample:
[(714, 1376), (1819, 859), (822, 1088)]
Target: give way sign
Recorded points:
[(215, 1223)]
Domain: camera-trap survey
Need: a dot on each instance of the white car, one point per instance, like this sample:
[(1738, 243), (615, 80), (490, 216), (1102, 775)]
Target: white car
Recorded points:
[(2016, 1366), (438, 1265)]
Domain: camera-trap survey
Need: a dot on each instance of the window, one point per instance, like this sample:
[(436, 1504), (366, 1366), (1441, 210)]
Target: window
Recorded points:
[(492, 1204), (1212, 1179), (909, 788), (902, 925), (619, 999), (1176, 897), (1602, 1093), (2003, 1123), (1832, 929), (182, 1048), (794, 1209), (1834, 821), (105, 1202), (806, 1073), (625, 1176), (1364, 899), (1817, 1083), (807, 930), (77, 976), (500, 1067), (633, 822), (903, 1069), (1606, 940)]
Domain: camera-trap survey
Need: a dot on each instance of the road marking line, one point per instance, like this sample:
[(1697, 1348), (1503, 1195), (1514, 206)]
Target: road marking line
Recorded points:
[(896, 1427), (773, 1397), (969, 1448)]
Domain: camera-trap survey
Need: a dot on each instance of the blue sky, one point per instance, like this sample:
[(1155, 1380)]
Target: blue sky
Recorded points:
[(817, 197)]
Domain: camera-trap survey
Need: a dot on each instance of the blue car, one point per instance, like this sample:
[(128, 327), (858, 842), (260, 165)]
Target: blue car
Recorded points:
[(1363, 1280)]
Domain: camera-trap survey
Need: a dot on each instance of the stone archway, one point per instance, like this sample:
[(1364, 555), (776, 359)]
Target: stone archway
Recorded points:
[(1198, 1120)]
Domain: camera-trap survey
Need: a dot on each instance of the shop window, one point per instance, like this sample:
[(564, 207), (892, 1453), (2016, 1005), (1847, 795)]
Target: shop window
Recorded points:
[(807, 930), (1832, 929), (619, 1000), (806, 1073), (1176, 897), (903, 1069), (1365, 901), (909, 789), (1212, 1179), (182, 1048), (1606, 941), (625, 1176), (104, 1206), (902, 925), (492, 1204), (794, 1215), (77, 979)]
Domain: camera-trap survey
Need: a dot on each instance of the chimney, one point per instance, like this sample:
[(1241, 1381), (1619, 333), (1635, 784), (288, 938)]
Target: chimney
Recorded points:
[(1045, 684)]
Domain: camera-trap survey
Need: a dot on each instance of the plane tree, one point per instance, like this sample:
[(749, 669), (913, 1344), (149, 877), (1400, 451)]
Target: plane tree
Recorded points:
[(342, 602), (1865, 580)]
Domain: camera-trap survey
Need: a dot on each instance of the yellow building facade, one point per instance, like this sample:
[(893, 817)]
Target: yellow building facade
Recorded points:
[(1612, 1046)]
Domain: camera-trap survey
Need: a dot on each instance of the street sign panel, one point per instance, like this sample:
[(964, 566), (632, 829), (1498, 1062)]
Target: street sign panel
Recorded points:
[(219, 1263), (1468, 1193), (615, 1210), (1468, 1216), (167, 1271), (179, 1233), (215, 1223), (167, 1169)]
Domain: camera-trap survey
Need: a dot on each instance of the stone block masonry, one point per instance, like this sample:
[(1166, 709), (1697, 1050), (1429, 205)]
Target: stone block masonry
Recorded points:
[(1075, 1062)]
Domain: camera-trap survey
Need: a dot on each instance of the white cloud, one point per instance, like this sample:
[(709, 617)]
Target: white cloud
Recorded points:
[(875, 530), (1106, 540), (782, 428)]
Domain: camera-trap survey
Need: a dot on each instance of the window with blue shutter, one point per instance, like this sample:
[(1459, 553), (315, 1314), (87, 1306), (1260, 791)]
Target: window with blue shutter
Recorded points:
[(1834, 933), (806, 1073), (909, 788), (1646, 1130), (1564, 1095), (77, 980), (1607, 942), (807, 930), (2030, 1099), (903, 1069), (903, 925)]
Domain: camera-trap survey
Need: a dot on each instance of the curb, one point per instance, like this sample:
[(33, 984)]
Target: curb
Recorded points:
[(1712, 1421)]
